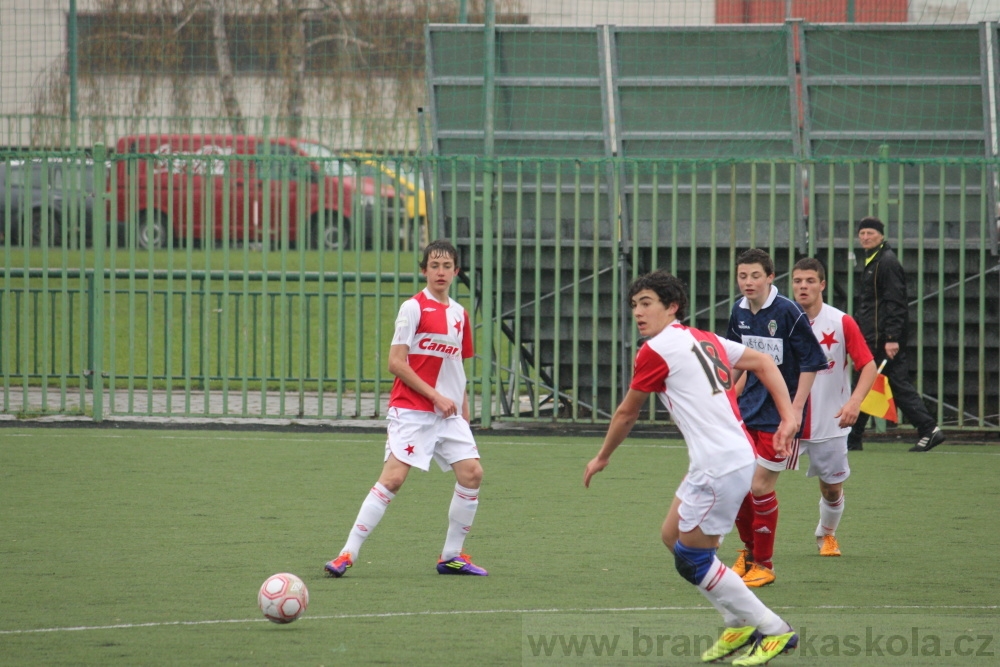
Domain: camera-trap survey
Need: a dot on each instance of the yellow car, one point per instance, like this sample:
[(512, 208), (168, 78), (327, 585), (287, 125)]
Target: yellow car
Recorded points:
[(403, 177), (398, 181)]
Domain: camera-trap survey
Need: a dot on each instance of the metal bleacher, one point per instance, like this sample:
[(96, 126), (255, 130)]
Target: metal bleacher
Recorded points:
[(577, 105)]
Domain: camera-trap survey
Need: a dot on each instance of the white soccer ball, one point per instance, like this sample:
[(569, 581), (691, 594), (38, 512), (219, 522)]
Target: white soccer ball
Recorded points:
[(283, 598)]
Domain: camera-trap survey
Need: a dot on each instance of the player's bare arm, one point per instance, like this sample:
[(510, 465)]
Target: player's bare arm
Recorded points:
[(399, 367), (763, 366), (806, 381), (621, 425), (850, 411), (739, 381)]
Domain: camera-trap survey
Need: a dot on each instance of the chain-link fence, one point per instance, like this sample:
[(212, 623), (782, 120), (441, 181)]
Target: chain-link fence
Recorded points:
[(348, 73)]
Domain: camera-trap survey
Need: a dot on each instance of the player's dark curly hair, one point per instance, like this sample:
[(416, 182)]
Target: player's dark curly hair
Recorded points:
[(757, 256), (669, 288), (810, 264), (439, 247)]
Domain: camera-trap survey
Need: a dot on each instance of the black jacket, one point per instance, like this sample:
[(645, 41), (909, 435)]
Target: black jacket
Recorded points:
[(881, 305)]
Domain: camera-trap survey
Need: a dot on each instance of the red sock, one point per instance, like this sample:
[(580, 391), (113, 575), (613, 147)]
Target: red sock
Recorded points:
[(765, 523), (744, 523)]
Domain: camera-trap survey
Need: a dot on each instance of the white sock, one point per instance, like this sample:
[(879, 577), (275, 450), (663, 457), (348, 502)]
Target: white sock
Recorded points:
[(724, 588), (829, 516), (729, 619), (460, 515), (372, 510)]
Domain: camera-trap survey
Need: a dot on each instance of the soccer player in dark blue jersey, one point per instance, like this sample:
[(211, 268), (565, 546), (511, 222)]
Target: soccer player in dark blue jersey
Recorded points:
[(768, 322)]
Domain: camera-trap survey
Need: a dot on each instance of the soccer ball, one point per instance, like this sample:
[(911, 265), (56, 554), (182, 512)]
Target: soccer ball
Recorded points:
[(283, 598)]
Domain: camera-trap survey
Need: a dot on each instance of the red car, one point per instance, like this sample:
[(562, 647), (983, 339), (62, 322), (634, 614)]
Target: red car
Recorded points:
[(354, 167), (181, 186)]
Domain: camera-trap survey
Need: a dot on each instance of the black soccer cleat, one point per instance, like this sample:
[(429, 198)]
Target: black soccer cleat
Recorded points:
[(929, 441)]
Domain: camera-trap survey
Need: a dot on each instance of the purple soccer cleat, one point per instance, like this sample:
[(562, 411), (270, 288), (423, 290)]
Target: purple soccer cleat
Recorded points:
[(461, 564), (338, 566)]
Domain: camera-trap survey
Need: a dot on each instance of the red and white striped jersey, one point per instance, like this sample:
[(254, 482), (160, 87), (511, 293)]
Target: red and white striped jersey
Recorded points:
[(691, 371), (840, 337), (439, 338)]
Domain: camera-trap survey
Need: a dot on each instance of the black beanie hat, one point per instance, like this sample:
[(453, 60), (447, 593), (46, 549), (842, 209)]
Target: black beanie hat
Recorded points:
[(872, 223)]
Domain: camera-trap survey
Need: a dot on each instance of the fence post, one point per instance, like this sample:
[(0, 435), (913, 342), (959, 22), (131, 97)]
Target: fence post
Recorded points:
[(883, 215), (96, 310), (88, 275), (883, 184), (489, 368), (72, 33)]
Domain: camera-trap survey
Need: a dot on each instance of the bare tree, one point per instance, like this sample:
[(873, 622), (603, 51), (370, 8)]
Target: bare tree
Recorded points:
[(294, 15), (345, 71), (225, 65)]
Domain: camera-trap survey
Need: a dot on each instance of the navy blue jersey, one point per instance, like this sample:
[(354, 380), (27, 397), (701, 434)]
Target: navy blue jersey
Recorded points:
[(780, 329)]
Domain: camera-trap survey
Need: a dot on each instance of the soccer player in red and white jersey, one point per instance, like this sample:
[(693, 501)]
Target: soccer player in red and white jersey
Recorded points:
[(692, 373), (833, 407), (428, 413)]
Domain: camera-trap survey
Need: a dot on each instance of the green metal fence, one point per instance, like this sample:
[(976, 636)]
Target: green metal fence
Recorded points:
[(216, 336), (262, 324)]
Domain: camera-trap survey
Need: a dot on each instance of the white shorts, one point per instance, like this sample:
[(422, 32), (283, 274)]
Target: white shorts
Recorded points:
[(712, 502), (415, 437), (827, 459)]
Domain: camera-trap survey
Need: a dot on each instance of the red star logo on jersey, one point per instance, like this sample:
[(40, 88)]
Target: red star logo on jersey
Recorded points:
[(458, 327), (409, 450), (828, 340)]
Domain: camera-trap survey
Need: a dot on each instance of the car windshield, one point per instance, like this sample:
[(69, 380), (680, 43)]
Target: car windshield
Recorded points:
[(399, 172), (402, 173), (329, 160), (75, 174), (294, 169)]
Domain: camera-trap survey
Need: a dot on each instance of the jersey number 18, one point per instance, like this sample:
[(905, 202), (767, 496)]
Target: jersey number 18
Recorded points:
[(718, 374)]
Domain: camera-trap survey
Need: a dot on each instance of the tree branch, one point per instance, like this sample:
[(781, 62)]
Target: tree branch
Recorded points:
[(339, 38)]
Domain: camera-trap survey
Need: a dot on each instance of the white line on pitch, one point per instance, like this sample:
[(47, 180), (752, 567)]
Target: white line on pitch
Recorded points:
[(403, 614)]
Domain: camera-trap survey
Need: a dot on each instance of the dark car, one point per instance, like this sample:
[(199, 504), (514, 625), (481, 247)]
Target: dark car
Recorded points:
[(50, 200)]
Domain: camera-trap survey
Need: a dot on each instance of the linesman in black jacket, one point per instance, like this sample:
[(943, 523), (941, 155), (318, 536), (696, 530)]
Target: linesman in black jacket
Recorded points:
[(881, 311)]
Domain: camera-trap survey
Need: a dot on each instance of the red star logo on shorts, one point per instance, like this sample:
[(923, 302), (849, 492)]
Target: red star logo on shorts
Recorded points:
[(828, 340), (409, 450)]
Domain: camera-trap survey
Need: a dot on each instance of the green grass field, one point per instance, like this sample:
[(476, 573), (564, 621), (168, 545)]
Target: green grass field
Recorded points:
[(147, 547)]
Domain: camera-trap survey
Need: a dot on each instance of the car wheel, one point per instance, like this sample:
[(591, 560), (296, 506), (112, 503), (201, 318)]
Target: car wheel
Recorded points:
[(421, 233), (329, 235), (412, 234), (151, 231), (394, 229), (54, 231)]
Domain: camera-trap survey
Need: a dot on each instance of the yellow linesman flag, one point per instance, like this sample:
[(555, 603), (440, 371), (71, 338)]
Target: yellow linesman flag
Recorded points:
[(879, 401)]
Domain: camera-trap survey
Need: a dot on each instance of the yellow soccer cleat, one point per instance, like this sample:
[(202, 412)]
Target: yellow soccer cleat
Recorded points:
[(758, 576), (742, 563), (766, 648), (829, 546), (730, 641)]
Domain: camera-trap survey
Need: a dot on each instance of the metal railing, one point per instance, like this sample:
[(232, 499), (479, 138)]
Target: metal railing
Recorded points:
[(199, 340), (254, 328)]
